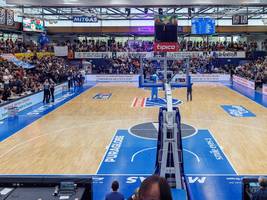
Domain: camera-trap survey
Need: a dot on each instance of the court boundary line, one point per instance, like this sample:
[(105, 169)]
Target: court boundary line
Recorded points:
[(242, 94), (103, 158), (141, 151), (75, 175), (221, 148), (43, 116), (227, 175)]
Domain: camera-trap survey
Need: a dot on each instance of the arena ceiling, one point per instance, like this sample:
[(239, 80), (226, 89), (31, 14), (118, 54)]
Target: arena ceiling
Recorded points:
[(114, 13), (134, 3), (66, 9)]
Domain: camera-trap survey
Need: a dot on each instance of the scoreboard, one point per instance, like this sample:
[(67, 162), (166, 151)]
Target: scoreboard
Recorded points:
[(239, 20)]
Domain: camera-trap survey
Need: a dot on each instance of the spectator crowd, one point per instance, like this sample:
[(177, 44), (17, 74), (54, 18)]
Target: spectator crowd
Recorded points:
[(17, 46), (254, 70), (16, 81), (147, 46)]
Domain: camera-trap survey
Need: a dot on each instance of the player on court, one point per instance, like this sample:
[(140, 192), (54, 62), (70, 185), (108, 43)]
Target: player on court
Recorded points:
[(154, 90), (189, 91)]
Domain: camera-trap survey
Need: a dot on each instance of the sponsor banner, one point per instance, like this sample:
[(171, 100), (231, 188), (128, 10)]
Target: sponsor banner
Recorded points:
[(264, 89), (133, 54), (16, 61), (29, 55), (27, 102), (102, 96), (112, 78), (229, 54), (160, 102), (172, 52), (135, 78), (81, 55), (244, 82), (203, 77), (85, 19), (237, 111), (189, 54), (61, 51), (166, 47)]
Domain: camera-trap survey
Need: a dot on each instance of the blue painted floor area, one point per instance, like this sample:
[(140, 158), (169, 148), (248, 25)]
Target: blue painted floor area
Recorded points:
[(202, 155), (128, 184), (214, 187), (255, 96), (129, 154), (130, 159), (11, 125), (208, 173), (161, 102)]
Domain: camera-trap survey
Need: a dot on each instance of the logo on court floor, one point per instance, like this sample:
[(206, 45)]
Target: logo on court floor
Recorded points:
[(237, 111), (102, 96), (148, 102)]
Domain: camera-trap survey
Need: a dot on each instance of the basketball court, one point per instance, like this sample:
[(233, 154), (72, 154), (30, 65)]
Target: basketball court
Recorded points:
[(109, 130)]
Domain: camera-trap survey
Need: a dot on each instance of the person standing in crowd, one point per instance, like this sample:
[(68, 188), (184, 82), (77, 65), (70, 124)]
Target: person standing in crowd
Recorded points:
[(6, 94), (70, 80), (6, 79), (114, 195), (156, 188), (262, 193), (189, 91), (52, 90), (46, 87)]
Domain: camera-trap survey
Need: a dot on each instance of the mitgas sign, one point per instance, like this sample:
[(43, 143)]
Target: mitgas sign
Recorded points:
[(85, 19)]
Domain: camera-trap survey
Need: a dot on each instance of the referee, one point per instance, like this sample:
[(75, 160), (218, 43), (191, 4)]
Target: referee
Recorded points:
[(46, 87), (189, 92), (52, 90)]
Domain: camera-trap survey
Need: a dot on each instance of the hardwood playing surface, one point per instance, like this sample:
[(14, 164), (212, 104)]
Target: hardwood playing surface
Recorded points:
[(73, 138)]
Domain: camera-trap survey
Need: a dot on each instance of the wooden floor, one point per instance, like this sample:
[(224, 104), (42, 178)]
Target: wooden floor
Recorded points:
[(74, 138)]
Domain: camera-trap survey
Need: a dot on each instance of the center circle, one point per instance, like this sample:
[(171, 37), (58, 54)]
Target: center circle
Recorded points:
[(149, 130)]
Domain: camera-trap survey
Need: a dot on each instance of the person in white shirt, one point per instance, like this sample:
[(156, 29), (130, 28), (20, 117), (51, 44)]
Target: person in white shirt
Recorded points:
[(6, 79)]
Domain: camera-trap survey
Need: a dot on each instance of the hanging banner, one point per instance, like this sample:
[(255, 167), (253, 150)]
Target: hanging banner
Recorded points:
[(10, 18), (17, 62), (61, 51), (21, 56), (166, 46), (244, 82), (188, 54), (132, 54), (91, 55), (85, 19), (2, 16), (229, 54)]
